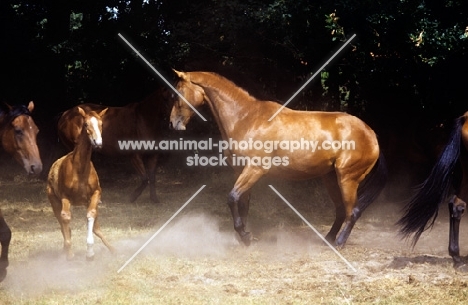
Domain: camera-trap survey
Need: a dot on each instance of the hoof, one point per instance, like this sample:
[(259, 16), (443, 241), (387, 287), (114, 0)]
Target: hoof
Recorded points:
[(70, 257), (460, 267), (90, 258), (112, 250), (3, 264), (3, 274), (247, 238)]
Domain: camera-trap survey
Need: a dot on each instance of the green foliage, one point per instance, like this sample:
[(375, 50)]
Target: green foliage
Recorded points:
[(401, 47)]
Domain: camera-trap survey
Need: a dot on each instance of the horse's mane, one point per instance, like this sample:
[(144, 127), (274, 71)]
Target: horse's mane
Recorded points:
[(15, 111), (222, 84)]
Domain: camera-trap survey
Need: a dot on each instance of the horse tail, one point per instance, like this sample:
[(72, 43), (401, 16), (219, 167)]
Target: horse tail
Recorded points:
[(424, 205), (373, 184)]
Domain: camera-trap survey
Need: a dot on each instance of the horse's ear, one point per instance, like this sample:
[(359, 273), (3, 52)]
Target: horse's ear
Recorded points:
[(81, 111), (181, 75), (103, 112), (5, 104), (31, 106)]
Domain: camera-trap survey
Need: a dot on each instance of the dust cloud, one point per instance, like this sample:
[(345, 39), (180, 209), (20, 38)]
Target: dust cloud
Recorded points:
[(191, 236)]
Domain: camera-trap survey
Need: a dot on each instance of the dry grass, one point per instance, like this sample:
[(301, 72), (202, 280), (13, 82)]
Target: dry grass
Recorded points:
[(197, 259)]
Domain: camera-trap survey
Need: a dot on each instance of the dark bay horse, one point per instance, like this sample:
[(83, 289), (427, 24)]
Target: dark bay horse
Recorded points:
[(422, 210), (136, 121), (241, 117), (73, 181), (18, 134)]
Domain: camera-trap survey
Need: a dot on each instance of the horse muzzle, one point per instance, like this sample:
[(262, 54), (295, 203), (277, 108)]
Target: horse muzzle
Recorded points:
[(179, 125), (33, 169)]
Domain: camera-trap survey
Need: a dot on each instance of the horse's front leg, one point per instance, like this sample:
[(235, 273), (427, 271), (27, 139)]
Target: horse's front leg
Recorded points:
[(238, 200), (5, 237), (456, 209), (64, 219), (91, 217)]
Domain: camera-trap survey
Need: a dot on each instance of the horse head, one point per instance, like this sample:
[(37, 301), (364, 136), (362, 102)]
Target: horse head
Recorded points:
[(181, 111), (18, 135), (92, 122)]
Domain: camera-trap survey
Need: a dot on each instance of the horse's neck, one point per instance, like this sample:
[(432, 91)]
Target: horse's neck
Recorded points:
[(81, 154), (229, 110), (150, 105)]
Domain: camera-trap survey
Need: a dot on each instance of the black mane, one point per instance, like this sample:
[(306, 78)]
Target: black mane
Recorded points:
[(10, 114)]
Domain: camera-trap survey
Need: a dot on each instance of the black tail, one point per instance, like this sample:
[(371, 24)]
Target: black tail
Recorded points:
[(424, 205), (373, 184)]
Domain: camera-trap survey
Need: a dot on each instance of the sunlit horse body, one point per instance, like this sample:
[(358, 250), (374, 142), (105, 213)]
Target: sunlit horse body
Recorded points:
[(435, 190), (136, 122), (241, 117), (73, 181), (18, 134)]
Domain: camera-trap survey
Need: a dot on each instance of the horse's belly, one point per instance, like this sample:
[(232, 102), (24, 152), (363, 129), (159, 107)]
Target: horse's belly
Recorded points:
[(299, 173)]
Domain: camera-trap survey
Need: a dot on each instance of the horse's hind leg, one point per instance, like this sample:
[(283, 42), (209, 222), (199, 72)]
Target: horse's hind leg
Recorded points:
[(456, 209), (5, 237), (352, 212), (151, 163), (331, 183), (138, 164)]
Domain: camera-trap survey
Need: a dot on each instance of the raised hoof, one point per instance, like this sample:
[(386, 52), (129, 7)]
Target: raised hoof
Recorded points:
[(3, 274)]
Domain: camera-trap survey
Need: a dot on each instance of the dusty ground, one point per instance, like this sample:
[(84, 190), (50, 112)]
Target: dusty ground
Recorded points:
[(197, 259)]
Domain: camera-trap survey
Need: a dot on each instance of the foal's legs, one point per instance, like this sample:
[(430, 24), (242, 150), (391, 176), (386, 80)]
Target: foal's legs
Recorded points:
[(62, 212), (93, 226), (238, 200), (5, 237), (456, 209)]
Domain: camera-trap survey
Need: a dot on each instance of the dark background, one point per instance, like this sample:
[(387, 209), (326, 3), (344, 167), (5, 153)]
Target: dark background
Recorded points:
[(404, 73)]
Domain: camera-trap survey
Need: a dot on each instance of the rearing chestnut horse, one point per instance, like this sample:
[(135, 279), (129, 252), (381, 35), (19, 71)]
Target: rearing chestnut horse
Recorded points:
[(136, 121), (424, 205), (73, 181), (18, 134), (241, 117)]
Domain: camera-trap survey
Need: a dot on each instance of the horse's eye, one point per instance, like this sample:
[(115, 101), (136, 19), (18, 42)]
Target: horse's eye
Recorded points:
[(19, 132)]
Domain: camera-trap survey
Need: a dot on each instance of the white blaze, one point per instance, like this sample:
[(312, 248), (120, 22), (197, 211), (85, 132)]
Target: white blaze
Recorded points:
[(95, 125)]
